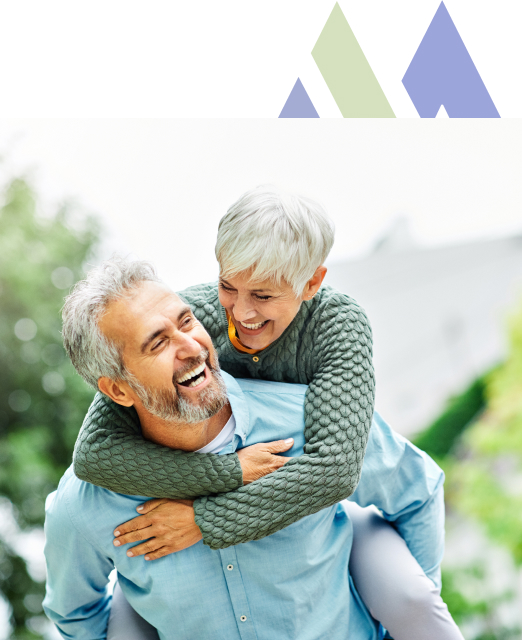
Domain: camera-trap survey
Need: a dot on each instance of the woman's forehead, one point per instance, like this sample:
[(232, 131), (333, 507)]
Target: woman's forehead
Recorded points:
[(244, 280)]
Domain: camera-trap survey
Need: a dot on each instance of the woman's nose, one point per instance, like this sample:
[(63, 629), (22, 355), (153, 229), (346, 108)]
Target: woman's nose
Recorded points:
[(244, 309)]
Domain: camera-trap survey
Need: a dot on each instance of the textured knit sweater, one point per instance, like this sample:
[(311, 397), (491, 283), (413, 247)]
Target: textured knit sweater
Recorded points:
[(328, 346)]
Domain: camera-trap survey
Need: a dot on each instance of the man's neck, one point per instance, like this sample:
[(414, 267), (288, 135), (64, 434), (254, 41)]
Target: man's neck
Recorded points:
[(187, 437)]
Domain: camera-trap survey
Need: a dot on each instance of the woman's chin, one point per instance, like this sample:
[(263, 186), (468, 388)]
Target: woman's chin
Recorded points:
[(259, 341)]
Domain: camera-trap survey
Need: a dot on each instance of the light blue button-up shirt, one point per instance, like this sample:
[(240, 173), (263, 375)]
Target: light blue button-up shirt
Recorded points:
[(292, 585)]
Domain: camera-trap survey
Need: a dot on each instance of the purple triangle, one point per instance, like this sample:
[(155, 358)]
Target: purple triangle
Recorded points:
[(443, 73), (298, 104)]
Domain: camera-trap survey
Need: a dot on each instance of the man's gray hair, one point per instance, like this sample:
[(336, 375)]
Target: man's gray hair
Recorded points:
[(276, 235), (91, 353)]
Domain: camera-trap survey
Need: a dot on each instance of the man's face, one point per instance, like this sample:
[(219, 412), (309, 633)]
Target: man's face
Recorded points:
[(173, 365)]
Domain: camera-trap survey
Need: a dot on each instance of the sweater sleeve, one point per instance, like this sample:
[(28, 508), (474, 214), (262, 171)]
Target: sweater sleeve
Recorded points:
[(338, 413), (111, 453)]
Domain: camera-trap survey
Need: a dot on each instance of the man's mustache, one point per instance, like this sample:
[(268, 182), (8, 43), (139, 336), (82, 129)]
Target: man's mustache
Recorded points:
[(192, 363)]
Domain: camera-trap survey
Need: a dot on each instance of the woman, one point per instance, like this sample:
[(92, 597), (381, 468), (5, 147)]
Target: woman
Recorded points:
[(269, 318)]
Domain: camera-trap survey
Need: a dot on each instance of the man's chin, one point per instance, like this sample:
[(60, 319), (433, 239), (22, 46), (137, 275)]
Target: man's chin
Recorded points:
[(192, 405)]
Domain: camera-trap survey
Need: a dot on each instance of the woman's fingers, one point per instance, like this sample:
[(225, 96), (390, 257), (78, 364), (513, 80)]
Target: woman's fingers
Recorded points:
[(159, 553), (150, 505), (150, 546), (134, 536), (140, 522), (277, 446)]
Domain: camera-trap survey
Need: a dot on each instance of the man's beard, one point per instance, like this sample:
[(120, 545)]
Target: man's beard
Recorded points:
[(171, 406)]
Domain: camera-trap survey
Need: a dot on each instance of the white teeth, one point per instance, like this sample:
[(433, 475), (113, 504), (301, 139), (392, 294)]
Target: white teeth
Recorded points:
[(253, 326), (191, 374), (197, 381)]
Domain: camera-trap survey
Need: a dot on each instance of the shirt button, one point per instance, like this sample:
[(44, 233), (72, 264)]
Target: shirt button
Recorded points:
[(243, 618), (230, 567), (255, 359)]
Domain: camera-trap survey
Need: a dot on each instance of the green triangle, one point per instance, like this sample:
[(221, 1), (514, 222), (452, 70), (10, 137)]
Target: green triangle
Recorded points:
[(346, 71)]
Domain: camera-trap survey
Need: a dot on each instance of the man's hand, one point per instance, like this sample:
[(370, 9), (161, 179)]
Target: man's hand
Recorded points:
[(169, 524), (258, 460)]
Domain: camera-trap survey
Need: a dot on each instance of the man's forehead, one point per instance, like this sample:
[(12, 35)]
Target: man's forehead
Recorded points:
[(150, 298), (137, 310)]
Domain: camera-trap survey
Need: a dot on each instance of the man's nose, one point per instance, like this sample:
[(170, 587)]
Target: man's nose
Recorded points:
[(187, 347), (244, 308)]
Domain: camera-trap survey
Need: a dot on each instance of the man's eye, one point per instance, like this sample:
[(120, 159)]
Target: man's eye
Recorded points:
[(158, 344), (186, 321)]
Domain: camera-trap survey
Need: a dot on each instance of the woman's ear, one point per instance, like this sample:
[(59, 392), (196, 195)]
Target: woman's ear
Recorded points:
[(312, 286), (117, 391)]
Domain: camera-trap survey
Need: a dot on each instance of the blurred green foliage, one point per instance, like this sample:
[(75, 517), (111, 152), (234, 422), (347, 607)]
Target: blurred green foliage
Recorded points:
[(440, 436), (484, 477), (478, 442), (42, 400)]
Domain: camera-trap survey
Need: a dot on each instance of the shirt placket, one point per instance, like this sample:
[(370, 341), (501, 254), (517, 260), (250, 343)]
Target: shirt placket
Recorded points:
[(237, 592)]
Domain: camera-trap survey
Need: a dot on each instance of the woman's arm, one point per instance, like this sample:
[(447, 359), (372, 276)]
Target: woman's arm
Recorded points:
[(338, 411), (111, 453)]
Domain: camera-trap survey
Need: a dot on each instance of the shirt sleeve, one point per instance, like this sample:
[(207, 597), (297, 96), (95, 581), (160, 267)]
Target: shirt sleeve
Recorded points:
[(338, 416), (407, 486), (77, 598)]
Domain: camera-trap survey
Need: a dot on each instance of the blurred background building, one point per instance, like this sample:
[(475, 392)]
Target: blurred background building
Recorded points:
[(438, 316)]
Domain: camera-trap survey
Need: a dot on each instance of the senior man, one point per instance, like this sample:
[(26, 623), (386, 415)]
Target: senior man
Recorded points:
[(292, 584)]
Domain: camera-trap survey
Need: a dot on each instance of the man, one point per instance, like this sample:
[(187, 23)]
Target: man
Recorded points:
[(292, 584)]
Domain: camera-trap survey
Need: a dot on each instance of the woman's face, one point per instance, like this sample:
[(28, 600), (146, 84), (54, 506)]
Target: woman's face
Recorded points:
[(261, 311)]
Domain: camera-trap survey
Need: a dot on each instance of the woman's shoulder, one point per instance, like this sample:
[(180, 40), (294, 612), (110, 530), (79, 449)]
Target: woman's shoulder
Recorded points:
[(200, 294), (204, 300), (331, 305)]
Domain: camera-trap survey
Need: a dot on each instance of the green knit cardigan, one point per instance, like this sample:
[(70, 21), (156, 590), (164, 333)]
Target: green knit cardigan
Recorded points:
[(328, 346)]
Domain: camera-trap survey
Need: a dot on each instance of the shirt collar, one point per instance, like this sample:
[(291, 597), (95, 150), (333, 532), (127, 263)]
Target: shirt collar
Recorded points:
[(239, 406)]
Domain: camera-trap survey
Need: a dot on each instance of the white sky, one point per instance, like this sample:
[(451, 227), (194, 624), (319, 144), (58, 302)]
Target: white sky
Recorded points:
[(127, 58), (162, 185)]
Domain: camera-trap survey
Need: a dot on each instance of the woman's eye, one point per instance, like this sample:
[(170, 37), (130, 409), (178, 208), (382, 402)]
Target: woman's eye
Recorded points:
[(227, 289), (262, 297)]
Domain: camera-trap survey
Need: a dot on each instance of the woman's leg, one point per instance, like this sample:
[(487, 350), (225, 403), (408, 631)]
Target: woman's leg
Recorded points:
[(125, 623), (392, 584)]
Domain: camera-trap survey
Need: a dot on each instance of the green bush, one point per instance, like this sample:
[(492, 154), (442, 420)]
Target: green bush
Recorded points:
[(42, 400)]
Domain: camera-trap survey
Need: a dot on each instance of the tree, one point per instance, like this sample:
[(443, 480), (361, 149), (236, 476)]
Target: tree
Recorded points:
[(42, 399), (483, 485)]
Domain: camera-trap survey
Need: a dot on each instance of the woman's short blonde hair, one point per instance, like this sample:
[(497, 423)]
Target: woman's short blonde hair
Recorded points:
[(275, 235)]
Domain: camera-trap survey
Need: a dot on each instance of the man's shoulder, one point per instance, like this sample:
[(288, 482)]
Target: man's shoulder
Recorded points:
[(60, 505), (269, 388), (70, 493), (266, 408), (265, 396), (85, 507)]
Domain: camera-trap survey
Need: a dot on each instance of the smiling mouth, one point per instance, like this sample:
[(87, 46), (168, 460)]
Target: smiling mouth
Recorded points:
[(253, 327), (194, 377)]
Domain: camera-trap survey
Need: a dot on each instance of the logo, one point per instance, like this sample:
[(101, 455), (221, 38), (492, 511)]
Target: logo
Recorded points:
[(440, 75)]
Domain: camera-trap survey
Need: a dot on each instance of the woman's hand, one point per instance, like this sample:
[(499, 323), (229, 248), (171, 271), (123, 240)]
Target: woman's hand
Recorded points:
[(167, 525), (259, 460)]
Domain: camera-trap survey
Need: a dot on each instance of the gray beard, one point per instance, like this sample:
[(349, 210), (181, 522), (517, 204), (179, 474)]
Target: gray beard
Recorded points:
[(170, 406)]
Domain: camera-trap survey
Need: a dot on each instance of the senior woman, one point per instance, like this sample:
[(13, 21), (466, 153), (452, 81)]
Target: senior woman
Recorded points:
[(270, 318)]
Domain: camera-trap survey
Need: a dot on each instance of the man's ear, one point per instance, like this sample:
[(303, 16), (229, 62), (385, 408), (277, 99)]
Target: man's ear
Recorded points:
[(117, 391)]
